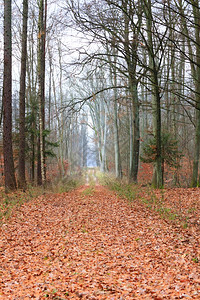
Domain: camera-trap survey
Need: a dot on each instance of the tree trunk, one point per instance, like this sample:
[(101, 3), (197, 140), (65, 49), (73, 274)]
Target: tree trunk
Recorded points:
[(103, 136), (39, 173), (196, 13), (32, 104), (61, 130), (118, 167), (9, 171), (113, 80), (130, 139), (131, 57), (157, 180), (136, 132), (21, 171), (194, 60), (195, 182), (41, 85)]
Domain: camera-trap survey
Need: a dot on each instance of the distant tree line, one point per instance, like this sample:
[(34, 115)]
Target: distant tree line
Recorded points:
[(150, 52), (128, 70)]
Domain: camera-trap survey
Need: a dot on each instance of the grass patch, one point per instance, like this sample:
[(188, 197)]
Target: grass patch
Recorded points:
[(67, 184), (166, 212), (122, 189), (196, 260), (91, 179), (9, 202), (156, 203), (88, 191), (151, 200)]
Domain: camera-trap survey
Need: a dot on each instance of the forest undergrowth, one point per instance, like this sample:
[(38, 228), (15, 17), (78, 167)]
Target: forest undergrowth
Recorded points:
[(94, 243)]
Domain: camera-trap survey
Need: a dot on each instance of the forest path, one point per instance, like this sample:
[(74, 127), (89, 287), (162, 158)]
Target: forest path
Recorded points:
[(90, 244), (91, 176)]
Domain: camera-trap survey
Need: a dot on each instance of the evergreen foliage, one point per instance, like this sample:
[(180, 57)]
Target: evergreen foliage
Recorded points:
[(170, 152)]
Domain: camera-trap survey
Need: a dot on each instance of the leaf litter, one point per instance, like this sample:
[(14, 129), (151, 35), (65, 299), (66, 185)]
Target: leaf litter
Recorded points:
[(96, 246)]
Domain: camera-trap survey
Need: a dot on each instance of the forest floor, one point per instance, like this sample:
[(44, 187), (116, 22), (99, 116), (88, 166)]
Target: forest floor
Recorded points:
[(91, 244)]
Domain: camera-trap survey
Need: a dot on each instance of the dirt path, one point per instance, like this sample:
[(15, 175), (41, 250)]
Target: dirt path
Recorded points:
[(90, 244)]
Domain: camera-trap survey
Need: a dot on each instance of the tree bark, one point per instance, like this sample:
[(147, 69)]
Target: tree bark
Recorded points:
[(9, 171), (118, 166), (196, 14), (136, 132), (21, 171), (41, 86), (157, 180)]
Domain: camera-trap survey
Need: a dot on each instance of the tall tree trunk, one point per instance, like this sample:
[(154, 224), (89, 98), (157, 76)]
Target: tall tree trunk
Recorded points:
[(131, 57), (157, 180), (21, 172), (113, 79), (59, 124), (118, 166), (130, 139), (103, 136), (39, 173), (195, 182), (83, 144), (41, 85), (32, 104), (136, 132), (9, 171), (61, 130), (50, 85), (196, 13), (194, 60)]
